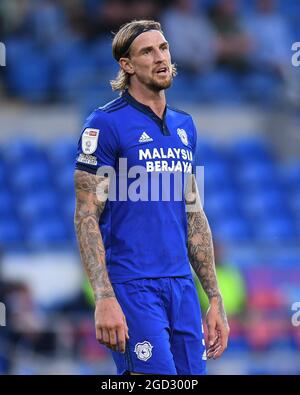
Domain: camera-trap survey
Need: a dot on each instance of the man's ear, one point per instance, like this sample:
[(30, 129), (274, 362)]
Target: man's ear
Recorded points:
[(126, 65)]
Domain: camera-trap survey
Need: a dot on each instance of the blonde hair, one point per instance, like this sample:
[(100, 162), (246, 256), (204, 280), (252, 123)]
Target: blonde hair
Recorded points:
[(121, 48)]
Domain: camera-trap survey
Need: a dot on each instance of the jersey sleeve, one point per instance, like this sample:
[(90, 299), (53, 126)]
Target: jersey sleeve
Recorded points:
[(194, 147), (98, 144)]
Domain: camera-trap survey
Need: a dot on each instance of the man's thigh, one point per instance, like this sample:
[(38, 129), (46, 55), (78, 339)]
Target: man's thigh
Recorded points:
[(187, 340), (148, 348)]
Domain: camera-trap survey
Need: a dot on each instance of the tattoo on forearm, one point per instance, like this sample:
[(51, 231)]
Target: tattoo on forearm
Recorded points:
[(201, 254), (221, 311), (87, 213), (200, 248), (200, 245)]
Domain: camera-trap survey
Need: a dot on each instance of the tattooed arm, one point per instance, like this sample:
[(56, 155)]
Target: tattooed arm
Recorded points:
[(91, 195), (201, 255)]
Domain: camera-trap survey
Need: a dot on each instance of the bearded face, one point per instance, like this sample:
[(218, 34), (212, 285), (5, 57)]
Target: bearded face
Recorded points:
[(150, 61)]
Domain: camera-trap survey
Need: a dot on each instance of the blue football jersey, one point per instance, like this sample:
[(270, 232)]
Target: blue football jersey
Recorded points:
[(144, 222)]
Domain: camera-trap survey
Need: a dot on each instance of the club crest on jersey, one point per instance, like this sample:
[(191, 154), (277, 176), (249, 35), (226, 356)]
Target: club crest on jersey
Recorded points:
[(143, 350), (183, 136), (89, 140)]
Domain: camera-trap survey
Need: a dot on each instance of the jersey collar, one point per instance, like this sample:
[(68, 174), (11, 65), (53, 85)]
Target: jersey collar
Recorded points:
[(148, 111)]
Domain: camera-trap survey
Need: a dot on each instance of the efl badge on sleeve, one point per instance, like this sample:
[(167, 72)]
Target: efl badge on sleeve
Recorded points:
[(90, 140)]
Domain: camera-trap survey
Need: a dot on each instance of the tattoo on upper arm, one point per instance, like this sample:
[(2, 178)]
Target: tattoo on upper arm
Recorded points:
[(91, 189), (88, 211)]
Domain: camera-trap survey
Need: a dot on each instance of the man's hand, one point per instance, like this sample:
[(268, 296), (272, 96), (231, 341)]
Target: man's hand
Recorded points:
[(110, 323), (218, 328)]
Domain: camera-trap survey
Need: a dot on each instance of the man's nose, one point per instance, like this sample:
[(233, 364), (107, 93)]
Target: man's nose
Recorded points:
[(158, 57)]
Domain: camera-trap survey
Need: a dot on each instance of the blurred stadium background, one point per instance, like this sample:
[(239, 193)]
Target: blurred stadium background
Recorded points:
[(237, 80)]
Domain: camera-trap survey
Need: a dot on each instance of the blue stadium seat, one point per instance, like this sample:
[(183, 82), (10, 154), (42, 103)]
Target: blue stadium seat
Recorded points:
[(250, 148), (62, 152), (221, 205), (290, 174), (7, 205), (256, 174), (31, 176), (294, 202), (218, 86), (95, 94), (68, 210), (288, 258), (263, 202), (65, 179), (289, 7), (68, 207), (206, 152), (234, 229), (47, 234), (297, 221), (29, 70), (261, 87), (183, 90), (295, 29), (278, 228), (22, 151), (76, 70), (2, 174), (217, 174), (102, 52), (38, 206), (10, 232)]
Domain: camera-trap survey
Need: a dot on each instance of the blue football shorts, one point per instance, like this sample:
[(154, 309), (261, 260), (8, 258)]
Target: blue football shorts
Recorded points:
[(165, 327)]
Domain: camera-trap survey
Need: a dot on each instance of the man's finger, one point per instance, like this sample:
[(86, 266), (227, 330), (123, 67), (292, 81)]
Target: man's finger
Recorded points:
[(126, 329), (99, 335), (216, 340), (212, 349), (218, 352), (105, 336), (212, 334), (121, 339), (113, 339)]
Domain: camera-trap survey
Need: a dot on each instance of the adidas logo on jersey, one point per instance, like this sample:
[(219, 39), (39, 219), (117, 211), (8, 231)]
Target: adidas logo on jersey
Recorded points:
[(145, 138)]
